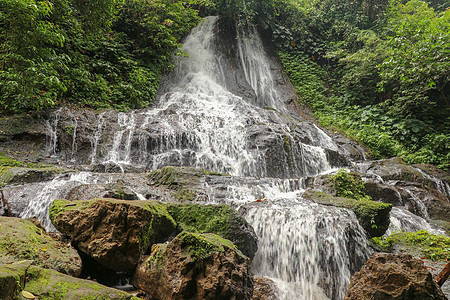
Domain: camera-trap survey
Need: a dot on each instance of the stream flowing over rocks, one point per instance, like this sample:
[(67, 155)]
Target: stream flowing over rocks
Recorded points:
[(203, 196)]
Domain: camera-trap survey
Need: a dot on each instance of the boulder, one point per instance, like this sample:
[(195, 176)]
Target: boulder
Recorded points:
[(195, 266), (390, 276), (113, 232), (12, 278), (181, 183), (222, 220), (49, 284), (264, 288), (111, 190), (23, 175), (24, 240), (372, 216)]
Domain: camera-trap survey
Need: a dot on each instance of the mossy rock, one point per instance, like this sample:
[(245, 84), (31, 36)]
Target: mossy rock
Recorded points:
[(420, 244), (113, 232), (221, 219), (12, 278), (372, 216), (195, 266), (24, 240), (184, 183), (51, 285), (22, 175)]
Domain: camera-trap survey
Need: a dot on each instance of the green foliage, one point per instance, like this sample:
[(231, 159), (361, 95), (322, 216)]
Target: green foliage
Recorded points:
[(349, 185), (102, 53), (434, 247), (376, 71)]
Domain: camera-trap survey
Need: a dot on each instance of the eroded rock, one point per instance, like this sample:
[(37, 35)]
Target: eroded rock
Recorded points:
[(195, 266), (113, 232), (25, 241), (390, 276)]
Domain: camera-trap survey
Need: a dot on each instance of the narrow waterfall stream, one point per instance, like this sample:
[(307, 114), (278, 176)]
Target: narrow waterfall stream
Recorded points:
[(225, 111)]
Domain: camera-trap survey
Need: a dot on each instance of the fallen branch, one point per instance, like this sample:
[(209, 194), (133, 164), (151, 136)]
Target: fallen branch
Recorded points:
[(443, 276)]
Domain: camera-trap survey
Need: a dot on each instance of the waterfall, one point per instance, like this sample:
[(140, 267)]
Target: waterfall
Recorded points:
[(308, 250)]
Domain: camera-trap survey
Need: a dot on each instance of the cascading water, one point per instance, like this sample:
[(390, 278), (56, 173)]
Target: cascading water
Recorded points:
[(205, 119), (304, 247)]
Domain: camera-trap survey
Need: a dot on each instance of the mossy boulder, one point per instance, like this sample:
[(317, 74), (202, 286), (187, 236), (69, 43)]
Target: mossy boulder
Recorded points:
[(24, 240), (181, 183), (50, 285), (221, 219), (372, 216), (21, 175), (12, 278), (195, 266), (113, 232)]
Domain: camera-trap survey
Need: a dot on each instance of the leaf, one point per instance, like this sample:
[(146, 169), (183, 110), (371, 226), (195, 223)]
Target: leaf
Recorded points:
[(28, 295)]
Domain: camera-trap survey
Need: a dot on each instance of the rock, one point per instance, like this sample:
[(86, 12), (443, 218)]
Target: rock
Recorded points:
[(395, 169), (182, 183), (222, 220), (91, 191), (49, 284), (12, 278), (24, 240), (113, 232), (23, 175), (264, 289), (372, 216), (383, 192), (390, 276), (23, 135), (195, 266)]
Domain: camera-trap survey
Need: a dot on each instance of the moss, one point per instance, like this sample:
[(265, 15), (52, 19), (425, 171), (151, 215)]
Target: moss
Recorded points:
[(23, 240), (202, 218), (12, 279), (373, 216), (49, 284), (349, 185), (215, 173), (201, 246), (181, 180), (6, 161), (28, 173), (420, 243), (61, 205)]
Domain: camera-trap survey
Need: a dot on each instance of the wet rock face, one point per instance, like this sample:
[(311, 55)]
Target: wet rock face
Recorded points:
[(21, 239), (390, 276), (113, 232), (195, 266)]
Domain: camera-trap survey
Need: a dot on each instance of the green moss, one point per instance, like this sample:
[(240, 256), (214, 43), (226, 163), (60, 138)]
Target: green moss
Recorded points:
[(373, 216), (215, 173), (6, 161), (49, 284), (23, 240), (434, 247), (181, 180), (201, 246), (349, 185), (202, 218), (61, 205)]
